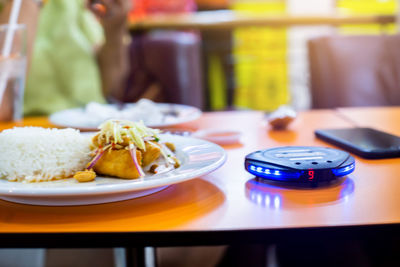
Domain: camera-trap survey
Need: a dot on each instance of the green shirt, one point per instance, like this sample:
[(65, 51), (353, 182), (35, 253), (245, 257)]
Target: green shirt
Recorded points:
[(64, 73)]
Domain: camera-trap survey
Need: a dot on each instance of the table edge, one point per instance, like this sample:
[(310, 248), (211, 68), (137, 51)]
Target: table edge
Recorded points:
[(199, 238)]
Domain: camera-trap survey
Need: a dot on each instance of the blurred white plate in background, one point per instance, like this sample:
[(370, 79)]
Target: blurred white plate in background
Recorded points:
[(155, 115)]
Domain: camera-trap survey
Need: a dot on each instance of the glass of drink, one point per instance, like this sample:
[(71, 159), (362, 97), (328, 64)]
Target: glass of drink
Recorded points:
[(12, 73)]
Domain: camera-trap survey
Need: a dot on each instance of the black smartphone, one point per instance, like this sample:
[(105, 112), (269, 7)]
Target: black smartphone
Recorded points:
[(364, 142)]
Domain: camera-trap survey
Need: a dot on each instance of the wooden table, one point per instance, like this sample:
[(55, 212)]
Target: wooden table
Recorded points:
[(227, 19), (381, 118), (228, 205)]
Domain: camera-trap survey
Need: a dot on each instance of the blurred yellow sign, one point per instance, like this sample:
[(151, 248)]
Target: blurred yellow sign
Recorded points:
[(367, 7), (261, 74)]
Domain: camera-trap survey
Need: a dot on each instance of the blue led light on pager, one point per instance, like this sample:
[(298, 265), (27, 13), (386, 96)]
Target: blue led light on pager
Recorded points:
[(272, 173), (344, 170)]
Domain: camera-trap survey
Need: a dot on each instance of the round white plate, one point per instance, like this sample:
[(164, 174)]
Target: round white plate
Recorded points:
[(198, 157), (78, 117)]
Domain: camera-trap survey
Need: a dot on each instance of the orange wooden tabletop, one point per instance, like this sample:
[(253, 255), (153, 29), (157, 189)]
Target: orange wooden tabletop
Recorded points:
[(33, 121), (230, 198), (381, 118)]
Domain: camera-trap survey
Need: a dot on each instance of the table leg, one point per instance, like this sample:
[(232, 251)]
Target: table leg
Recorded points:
[(140, 257)]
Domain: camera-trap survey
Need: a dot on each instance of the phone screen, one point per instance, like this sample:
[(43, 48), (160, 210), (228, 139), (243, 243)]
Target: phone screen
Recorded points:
[(366, 142)]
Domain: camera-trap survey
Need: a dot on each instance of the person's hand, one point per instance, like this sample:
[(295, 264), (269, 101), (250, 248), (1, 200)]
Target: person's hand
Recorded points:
[(113, 56), (111, 13)]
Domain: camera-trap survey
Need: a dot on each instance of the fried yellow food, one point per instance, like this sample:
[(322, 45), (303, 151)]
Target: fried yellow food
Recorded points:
[(118, 163), (151, 153), (123, 149)]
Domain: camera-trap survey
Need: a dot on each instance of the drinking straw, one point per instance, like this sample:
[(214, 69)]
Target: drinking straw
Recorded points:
[(12, 22)]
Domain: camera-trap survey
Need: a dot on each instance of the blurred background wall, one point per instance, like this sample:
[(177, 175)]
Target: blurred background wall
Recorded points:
[(270, 65)]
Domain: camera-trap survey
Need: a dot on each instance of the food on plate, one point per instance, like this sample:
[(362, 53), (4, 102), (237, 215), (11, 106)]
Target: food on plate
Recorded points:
[(34, 154), (122, 149), (126, 149), (85, 176), (144, 109)]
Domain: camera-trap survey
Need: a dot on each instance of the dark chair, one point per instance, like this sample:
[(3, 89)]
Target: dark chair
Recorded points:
[(354, 71), (170, 59)]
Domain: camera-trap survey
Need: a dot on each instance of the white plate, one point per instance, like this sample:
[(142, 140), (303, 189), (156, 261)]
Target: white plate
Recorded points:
[(78, 118), (198, 157)]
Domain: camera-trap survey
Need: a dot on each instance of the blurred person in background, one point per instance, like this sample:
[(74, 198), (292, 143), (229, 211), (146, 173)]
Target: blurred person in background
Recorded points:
[(77, 51)]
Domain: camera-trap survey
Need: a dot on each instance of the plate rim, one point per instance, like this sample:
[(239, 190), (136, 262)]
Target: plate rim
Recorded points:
[(119, 187), (196, 114)]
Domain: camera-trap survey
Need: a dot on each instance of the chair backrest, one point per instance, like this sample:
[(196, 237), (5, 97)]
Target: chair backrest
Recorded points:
[(170, 59), (354, 71)]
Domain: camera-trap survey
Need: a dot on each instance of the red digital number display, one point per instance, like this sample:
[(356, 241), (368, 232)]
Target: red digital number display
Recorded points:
[(310, 175)]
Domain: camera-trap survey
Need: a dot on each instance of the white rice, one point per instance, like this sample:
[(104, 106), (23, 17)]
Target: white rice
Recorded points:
[(34, 154)]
